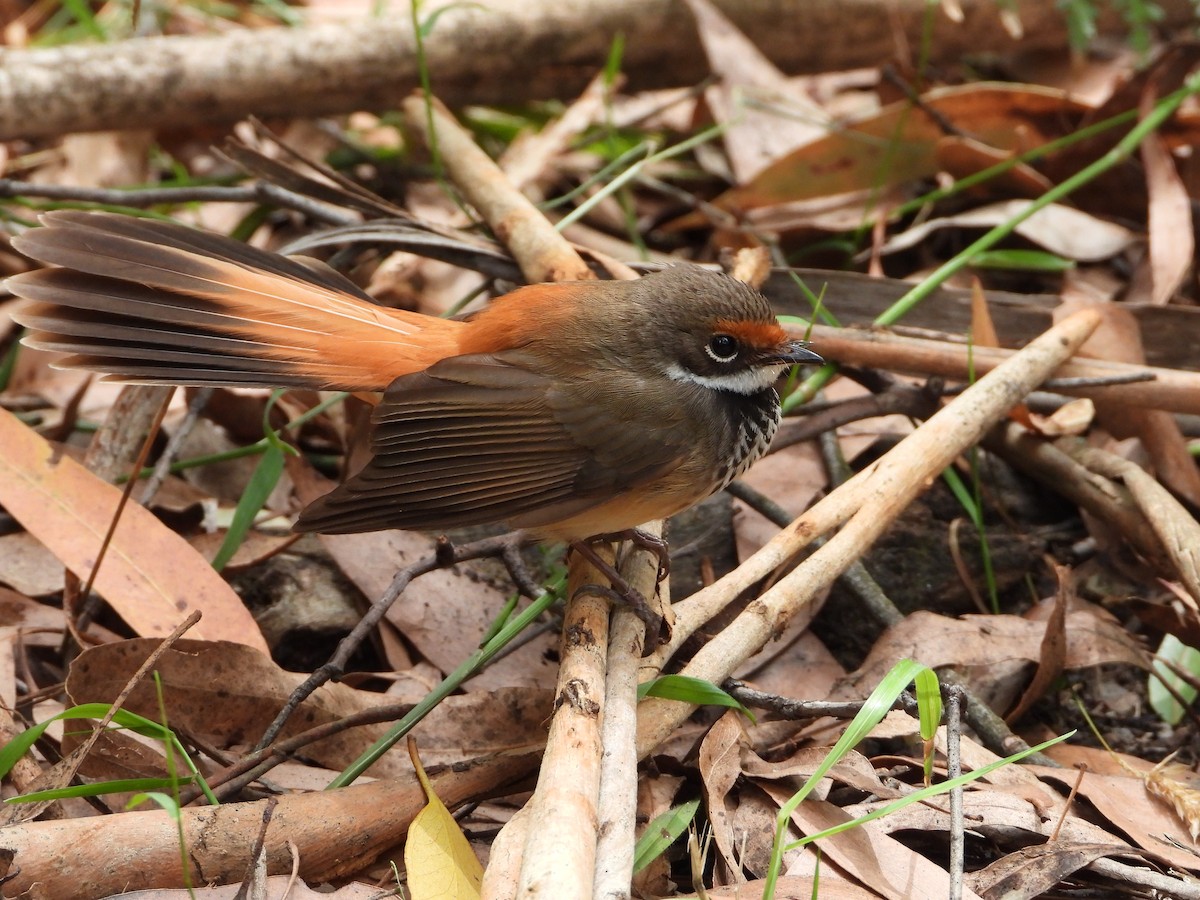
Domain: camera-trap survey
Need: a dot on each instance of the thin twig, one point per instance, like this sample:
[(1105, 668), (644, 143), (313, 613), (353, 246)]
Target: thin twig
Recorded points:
[(789, 708), (918, 402), (141, 198), (954, 698), (162, 468), (448, 555), (1174, 390)]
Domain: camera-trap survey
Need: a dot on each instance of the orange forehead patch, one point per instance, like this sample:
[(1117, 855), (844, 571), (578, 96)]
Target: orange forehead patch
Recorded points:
[(753, 334)]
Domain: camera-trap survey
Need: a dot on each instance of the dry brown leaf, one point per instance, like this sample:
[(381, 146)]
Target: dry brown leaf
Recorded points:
[(1059, 229), (150, 575), (1172, 241), (1093, 639), (1052, 658), (231, 693), (1125, 803), (983, 329), (720, 768), (256, 547), (961, 156), (1095, 760), (1015, 780), (998, 815), (853, 770), (1032, 871), (444, 613), (764, 115), (1091, 78), (727, 759), (867, 852), (1072, 418), (116, 755), (753, 829), (39, 623), (103, 159), (905, 139)]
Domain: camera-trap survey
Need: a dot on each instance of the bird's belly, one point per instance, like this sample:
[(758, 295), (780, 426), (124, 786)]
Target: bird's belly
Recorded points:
[(624, 512)]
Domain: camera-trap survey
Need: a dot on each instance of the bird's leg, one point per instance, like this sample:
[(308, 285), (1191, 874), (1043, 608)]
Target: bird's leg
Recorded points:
[(647, 541), (658, 630)]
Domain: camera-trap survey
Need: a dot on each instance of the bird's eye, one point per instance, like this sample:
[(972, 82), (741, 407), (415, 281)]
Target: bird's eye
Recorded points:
[(722, 347)]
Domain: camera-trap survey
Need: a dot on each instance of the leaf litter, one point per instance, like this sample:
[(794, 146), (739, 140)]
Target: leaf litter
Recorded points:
[(893, 170)]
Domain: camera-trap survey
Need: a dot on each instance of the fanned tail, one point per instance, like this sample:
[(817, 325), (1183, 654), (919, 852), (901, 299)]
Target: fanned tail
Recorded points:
[(157, 302)]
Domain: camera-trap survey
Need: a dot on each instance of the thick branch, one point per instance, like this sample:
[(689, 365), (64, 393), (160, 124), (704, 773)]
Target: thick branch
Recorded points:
[(499, 51)]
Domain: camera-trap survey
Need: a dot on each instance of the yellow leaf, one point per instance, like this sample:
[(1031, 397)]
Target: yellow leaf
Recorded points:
[(437, 857)]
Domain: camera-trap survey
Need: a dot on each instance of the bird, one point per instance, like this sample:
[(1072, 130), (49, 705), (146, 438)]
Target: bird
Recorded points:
[(566, 412)]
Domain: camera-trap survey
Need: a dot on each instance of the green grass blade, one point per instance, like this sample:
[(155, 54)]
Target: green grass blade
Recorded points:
[(662, 832), (695, 691)]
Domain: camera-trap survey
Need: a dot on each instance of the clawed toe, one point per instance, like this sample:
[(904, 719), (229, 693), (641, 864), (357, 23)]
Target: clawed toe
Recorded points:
[(646, 541), (658, 629)]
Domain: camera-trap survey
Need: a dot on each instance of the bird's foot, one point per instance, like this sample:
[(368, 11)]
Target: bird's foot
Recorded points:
[(658, 629), (646, 541)]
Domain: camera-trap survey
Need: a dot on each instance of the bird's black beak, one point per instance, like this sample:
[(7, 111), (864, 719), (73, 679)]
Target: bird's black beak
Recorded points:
[(794, 353)]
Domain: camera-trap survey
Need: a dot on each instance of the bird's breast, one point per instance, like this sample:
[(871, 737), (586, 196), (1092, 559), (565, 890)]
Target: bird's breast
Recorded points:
[(750, 425)]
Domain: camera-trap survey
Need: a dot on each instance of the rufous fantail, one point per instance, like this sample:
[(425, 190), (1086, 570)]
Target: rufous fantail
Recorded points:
[(568, 410)]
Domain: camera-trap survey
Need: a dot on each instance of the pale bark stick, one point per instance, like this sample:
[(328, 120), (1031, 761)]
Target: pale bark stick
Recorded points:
[(1051, 466), (1173, 390), (504, 858), (558, 856), (542, 253), (1177, 529), (878, 494), (617, 806), (700, 607), (530, 161), (560, 852)]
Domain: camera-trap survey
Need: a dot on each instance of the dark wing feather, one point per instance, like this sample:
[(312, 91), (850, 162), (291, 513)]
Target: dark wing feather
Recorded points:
[(483, 439)]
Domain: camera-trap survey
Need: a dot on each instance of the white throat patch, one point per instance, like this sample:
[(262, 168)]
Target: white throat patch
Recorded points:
[(747, 381)]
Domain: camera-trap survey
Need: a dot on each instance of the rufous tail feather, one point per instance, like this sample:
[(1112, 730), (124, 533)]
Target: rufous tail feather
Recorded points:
[(156, 302)]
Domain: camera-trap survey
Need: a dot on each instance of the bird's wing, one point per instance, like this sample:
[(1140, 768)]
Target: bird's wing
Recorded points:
[(482, 439)]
